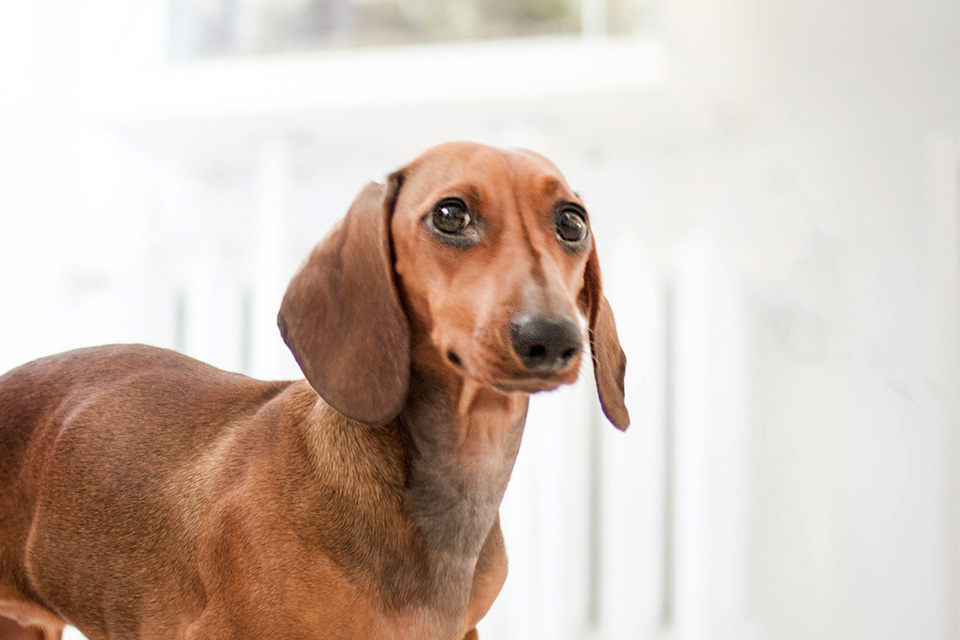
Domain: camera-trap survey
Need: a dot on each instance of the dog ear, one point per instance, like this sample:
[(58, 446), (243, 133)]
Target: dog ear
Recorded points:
[(609, 361), (342, 318)]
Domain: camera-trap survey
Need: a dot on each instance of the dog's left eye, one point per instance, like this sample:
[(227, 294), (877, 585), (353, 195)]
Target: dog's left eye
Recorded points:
[(451, 216), (571, 225)]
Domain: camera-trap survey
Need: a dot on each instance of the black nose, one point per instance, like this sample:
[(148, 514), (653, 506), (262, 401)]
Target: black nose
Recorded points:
[(545, 344)]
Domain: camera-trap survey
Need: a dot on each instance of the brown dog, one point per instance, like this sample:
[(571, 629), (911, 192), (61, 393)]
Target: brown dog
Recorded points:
[(146, 495)]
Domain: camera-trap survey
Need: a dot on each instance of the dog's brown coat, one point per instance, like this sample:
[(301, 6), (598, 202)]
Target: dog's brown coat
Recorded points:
[(146, 495)]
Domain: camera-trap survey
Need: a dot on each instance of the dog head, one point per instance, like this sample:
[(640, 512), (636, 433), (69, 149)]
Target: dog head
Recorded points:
[(471, 261)]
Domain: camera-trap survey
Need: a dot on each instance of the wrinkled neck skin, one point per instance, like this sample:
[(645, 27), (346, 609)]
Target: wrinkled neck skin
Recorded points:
[(461, 443)]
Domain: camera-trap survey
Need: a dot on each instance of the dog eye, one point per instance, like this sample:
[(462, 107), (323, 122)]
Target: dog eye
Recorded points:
[(571, 225), (451, 216)]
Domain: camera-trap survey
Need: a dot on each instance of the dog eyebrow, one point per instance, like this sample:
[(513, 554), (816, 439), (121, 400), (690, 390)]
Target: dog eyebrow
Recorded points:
[(473, 197), (469, 192), (551, 185)]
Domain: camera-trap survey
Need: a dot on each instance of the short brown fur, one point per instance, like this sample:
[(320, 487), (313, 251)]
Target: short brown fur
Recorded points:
[(145, 495)]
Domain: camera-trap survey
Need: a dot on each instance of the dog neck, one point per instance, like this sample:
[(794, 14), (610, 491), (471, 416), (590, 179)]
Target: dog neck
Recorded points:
[(461, 442)]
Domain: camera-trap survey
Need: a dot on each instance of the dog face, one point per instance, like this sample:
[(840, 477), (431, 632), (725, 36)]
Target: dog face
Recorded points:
[(490, 251), (473, 259)]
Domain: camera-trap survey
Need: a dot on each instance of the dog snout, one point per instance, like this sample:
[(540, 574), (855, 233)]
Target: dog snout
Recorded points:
[(545, 344)]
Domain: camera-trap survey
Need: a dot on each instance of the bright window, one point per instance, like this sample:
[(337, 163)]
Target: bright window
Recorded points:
[(202, 28)]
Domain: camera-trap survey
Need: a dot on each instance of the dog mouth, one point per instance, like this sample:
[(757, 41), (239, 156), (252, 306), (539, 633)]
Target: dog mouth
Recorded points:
[(454, 359), (506, 378), (527, 385)]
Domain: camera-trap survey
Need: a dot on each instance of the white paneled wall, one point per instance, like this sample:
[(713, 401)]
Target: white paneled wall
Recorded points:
[(634, 504), (709, 551)]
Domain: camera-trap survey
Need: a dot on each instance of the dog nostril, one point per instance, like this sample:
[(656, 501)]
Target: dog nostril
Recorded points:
[(454, 358), (537, 352), (545, 344)]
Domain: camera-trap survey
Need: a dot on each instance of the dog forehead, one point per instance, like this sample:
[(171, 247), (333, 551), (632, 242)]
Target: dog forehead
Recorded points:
[(489, 172)]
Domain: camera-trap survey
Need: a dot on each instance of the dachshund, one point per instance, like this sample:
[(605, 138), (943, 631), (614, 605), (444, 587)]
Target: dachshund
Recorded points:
[(145, 495)]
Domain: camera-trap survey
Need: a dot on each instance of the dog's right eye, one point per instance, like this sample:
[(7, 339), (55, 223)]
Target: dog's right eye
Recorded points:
[(453, 223), (451, 216)]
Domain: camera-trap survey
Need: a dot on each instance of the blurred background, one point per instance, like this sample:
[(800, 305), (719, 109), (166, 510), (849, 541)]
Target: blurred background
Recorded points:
[(774, 189)]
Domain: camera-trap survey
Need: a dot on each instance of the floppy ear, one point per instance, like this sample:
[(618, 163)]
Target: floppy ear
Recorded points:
[(341, 315), (609, 361)]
